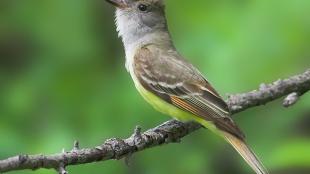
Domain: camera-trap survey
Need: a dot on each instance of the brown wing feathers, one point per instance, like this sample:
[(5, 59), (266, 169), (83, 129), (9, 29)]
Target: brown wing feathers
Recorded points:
[(188, 90), (185, 106)]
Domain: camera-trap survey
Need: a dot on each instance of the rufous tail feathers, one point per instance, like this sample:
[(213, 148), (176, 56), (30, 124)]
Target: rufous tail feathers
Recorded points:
[(247, 154)]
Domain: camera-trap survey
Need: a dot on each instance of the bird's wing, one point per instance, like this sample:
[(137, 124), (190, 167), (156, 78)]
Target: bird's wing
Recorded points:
[(176, 81)]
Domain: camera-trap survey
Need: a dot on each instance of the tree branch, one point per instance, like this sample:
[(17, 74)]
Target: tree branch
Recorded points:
[(168, 132), (292, 87)]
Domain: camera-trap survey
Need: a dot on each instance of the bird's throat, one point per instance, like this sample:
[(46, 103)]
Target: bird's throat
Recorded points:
[(135, 35)]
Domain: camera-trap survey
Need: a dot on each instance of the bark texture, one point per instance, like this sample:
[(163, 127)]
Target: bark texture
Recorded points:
[(169, 132)]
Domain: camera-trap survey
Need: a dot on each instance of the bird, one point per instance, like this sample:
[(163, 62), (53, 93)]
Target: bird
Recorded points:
[(167, 81)]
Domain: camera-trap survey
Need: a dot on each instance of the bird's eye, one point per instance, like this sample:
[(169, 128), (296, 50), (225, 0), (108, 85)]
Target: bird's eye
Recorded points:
[(142, 7)]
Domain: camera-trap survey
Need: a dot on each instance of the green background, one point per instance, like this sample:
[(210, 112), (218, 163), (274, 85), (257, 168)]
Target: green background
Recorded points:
[(62, 78)]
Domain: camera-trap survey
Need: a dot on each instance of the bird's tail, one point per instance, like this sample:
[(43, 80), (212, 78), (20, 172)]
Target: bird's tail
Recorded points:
[(247, 154)]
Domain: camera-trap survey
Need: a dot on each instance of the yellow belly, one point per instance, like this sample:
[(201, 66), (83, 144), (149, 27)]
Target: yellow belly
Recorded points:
[(171, 110)]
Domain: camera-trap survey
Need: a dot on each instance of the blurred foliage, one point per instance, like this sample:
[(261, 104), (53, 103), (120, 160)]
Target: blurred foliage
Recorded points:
[(62, 79)]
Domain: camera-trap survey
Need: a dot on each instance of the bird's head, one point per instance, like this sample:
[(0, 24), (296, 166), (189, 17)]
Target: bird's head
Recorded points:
[(136, 18)]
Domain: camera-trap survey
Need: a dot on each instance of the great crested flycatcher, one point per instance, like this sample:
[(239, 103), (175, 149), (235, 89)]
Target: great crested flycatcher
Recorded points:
[(167, 81)]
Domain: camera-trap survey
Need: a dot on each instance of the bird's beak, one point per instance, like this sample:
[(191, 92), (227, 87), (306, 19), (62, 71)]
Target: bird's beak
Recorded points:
[(118, 3)]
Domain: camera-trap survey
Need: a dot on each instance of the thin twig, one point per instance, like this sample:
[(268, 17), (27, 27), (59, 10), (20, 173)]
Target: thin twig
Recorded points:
[(168, 132)]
